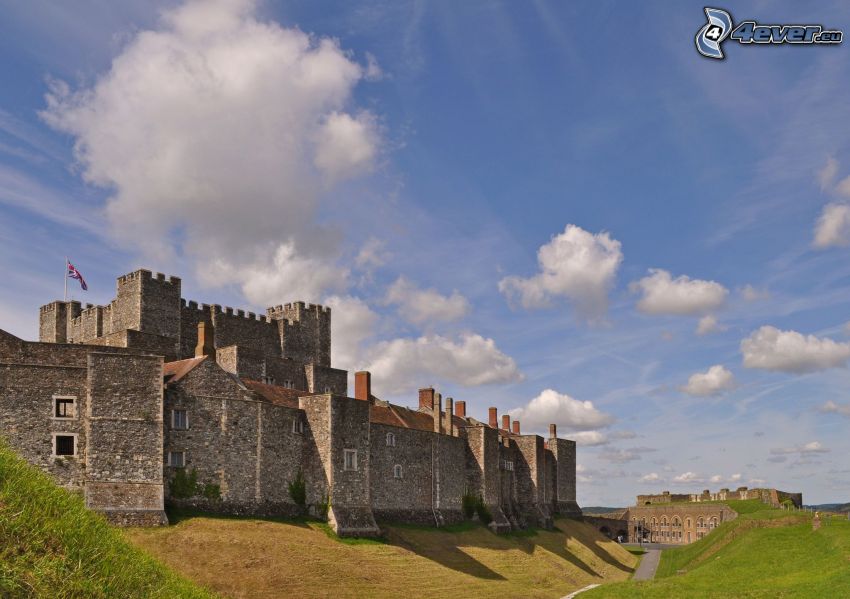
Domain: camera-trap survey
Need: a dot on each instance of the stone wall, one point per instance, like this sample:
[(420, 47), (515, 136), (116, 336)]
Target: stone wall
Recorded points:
[(305, 332), (324, 379), (564, 487)]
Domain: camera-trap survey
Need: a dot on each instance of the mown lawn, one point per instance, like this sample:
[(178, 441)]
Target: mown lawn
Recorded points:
[(51, 546), (762, 553), (243, 557)]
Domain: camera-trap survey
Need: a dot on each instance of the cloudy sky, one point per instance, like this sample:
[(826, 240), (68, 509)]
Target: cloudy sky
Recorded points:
[(560, 210)]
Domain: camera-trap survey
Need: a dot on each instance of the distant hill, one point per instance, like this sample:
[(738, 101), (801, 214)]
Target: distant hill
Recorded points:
[(830, 507), (52, 546)]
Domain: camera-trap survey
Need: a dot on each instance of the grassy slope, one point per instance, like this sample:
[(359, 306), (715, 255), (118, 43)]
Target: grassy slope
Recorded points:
[(51, 546), (243, 557), (762, 553)]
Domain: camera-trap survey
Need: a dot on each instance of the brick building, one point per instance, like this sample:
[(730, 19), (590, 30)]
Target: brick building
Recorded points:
[(121, 401)]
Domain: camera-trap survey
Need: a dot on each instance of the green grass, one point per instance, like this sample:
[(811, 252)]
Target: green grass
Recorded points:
[(51, 546), (763, 553)]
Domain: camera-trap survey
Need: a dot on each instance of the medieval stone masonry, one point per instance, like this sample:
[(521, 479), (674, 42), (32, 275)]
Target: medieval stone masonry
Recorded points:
[(153, 399)]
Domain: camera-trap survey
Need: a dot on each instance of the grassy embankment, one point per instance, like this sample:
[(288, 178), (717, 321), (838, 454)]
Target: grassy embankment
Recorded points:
[(243, 557), (51, 546), (762, 553)]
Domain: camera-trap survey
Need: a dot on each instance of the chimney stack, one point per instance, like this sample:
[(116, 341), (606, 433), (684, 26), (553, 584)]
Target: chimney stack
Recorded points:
[(426, 398), (438, 417), (506, 422), (450, 431), (516, 427), (363, 385), (206, 344), (494, 418), (553, 431), (460, 409)]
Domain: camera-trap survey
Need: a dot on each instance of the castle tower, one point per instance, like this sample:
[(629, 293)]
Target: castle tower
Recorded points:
[(305, 332)]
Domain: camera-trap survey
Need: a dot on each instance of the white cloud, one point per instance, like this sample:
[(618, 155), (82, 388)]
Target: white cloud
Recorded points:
[(708, 324), (621, 456), (827, 174), (833, 226), (843, 187), (661, 294), (831, 407), (372, 255), (714, 381), (768, 348), (589, 438), (687, 478), (751, 294), (422, 305), (574, 264), (404, 364), (735, 478), (652, 477), (810, 448), (551, 407), (716, 479), (216, 134), (352, 322)]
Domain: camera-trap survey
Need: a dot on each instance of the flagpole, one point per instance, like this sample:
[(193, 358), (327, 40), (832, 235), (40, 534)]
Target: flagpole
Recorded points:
[(65, 295)]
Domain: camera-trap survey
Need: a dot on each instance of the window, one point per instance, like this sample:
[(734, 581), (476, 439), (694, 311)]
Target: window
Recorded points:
[(508, 465), (63, 407), (350, 456), (288, 385), (390, 440), (268, 380), (179, 420), (297, 426), (327, 389), (65, 445), (177, 459), (397, 471)]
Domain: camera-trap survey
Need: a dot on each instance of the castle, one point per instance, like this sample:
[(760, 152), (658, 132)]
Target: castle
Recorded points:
[(153, 399)]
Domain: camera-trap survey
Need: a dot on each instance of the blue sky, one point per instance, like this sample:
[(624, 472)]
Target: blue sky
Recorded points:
[(405, 162)]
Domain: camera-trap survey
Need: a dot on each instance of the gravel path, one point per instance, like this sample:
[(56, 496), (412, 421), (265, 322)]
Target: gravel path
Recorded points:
[(648, 565)]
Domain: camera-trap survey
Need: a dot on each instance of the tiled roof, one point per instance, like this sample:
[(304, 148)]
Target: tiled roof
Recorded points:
[(174, 371), (276, 394), (400, 416)]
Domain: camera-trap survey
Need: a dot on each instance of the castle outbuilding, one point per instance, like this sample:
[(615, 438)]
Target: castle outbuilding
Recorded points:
[(153, 399)]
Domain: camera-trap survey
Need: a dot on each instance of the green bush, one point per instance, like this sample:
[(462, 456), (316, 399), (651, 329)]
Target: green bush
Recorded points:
[(183, 486), (468, 505), (212, 492), (298, 490), (323, 506), (483, 511)]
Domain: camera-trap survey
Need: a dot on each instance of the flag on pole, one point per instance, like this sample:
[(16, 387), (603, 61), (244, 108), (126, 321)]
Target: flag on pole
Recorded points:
[(73, 273)]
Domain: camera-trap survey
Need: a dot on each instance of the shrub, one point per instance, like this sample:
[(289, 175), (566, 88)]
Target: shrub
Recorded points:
[(298, 490), (212, 492), (483, 511), (183, 486), (469, 503), (323, 506)]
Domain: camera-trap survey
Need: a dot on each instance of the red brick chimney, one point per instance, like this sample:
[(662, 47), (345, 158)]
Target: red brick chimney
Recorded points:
[(553, 431), (460, 409), (494, 418), (426, 398), (516, 427), (206, 341), (506, 422), (363, 385)]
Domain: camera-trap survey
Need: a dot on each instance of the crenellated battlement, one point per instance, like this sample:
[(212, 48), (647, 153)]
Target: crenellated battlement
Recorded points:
[(146, 275)]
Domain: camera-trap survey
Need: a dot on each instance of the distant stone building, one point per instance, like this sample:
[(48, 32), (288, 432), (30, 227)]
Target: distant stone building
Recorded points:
[(152, 399), (682, 518)]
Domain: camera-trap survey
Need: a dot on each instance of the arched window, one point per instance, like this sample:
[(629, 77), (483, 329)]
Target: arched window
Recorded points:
[(390, 440), (397, 471), (653, 523), (714, 522), (688, 522), (676, 522), (664, 521), (700, 523)]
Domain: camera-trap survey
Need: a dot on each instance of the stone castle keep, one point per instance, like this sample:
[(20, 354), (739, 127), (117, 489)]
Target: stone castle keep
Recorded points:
[(127, 401)]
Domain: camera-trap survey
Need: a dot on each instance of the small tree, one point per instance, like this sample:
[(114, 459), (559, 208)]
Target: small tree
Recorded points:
[(468, 505), (298, 491), (184, 486), (483, 511)]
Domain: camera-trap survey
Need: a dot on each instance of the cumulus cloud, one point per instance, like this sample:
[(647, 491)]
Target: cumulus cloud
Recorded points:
[(831, 407), (714, 381), (662, 294), (827, 174), (575, 264), (752, 294), (373, 254), (687, 478), (813, 447), (833, 226), (708, 324), (589, 438), (621, 456), (718, 478), (216, 134), (423, 305), (404, 364), (652, 477), (768, 348), (352, 323), (551, 407)]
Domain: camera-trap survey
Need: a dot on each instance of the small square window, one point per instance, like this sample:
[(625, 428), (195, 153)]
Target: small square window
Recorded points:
[(397, 472), (297, 426), (179, 420), (350, 459), (327, 389), (177, 459), (63, 407), (64, 445)]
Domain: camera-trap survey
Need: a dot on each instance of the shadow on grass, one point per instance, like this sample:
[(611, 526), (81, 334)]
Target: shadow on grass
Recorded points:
[(177, 515)]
